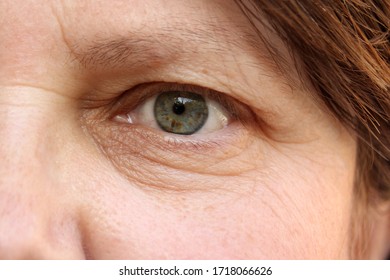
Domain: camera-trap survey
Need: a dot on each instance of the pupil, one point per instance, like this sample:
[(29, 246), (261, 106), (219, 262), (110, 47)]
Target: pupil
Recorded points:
[(178, 108)]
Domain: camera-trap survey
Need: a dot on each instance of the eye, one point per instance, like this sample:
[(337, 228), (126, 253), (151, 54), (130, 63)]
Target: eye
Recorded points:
[(154, 127), (182, 112)]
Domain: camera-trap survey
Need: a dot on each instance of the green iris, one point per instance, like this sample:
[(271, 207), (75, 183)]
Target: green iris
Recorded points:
[(180, 112)]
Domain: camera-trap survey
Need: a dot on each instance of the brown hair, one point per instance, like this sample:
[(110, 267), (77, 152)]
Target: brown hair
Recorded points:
[(345, 51)]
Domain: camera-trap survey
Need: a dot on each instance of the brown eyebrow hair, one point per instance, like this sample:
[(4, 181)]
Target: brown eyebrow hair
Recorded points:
[(167, 44)]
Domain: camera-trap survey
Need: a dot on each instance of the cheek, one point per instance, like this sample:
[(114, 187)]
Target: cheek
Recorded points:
[(288, 210), (313, 194)]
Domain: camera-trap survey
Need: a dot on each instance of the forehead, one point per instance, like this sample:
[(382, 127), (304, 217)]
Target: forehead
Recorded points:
[(78, 22), (159, 27), (115, 17)]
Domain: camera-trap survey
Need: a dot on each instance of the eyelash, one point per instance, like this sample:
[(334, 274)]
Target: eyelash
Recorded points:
[(138, 95)]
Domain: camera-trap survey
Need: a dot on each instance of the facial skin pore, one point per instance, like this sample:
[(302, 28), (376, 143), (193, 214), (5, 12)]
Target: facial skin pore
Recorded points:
[(77, 184)]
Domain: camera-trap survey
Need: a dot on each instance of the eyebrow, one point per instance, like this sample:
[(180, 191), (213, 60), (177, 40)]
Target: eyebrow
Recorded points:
[(139, 49)]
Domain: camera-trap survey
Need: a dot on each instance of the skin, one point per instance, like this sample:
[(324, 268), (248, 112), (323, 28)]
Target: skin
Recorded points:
[(76, 183)]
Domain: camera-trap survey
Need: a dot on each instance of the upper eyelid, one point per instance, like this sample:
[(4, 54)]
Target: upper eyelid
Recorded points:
[(140, 93)]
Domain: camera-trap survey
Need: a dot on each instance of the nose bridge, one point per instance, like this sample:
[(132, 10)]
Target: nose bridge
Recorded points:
[(29, 201)]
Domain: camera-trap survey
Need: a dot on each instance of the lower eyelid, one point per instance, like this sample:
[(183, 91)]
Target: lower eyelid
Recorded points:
[(151, 152), (196, 144)]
